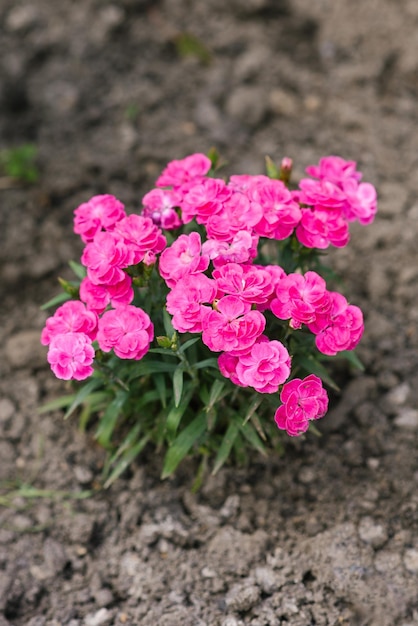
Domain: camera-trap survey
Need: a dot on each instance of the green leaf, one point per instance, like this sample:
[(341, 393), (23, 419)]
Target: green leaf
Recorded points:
[(215, 392), (57, 403), (352, 358), (257, 400), (176, 413), (178, 385), (182, 444), (189, 45), (61, 297), (226, 446), (207, 363), (78, 269), (161, 387), (126, 459), (109, 419), (145, 368), (82, 394), (168, 326), (187, 344), (251, 436), (313, 366), (271, 168)]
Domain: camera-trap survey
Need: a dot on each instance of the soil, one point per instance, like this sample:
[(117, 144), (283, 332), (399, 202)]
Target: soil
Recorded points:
[(328, 533)]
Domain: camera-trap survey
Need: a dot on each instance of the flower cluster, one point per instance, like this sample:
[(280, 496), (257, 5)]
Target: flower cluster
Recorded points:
[(214, 279)]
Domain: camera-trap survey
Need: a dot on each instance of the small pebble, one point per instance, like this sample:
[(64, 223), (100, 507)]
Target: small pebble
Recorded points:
[(407, 419), (410, 560), (372, 533)]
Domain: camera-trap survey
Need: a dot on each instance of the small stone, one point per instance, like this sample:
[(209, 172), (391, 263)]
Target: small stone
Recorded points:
[(101, 618), (25, 350), (230, 507), (266, 579), (54, 555), (230, 620), (83, 475), (282, 103), (247, 104), (306, 475), (399, 395), (407, 419), (103, 597), (243, 597), (7, 409), (410, 560), (372, 533), (207, 572), (386, 561)]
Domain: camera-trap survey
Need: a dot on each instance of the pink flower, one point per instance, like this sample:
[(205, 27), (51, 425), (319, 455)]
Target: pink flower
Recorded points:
[(265, 367), (182, 171), (105, 257), (321, 193), (70, 317), (319, 228), (281, 214), (98, 297), (204, 199), (71, 355), (334, 169), (361, 201), (246, 183), (227, 364), (100, 212), (301, 298), (127, 330), (238, 213), (339, 329), (140, 236), (252, 284), (242, 249), (186, 302), (160, 205), (303, 400), (181, 258), (232, 326)]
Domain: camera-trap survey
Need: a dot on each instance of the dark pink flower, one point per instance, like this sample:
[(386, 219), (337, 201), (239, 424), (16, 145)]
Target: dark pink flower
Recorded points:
[(232, 326), (301, 298), (70, 317), (178, 172), (281, 214), (183, 257), (303, 400), (251, 283), (341, 328), (127, 330), (140, 235), (71, 355), (204, 200), (321, 193), (334, 169), (160, 205), (100, 212), (265, 367), (186, 302), (105, 257), (319, 228)]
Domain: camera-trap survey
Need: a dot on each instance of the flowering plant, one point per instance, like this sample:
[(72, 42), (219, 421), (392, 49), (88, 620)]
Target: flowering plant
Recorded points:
[(194, 321)]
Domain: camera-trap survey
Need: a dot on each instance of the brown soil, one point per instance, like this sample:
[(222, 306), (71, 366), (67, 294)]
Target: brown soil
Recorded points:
[(325, 535)]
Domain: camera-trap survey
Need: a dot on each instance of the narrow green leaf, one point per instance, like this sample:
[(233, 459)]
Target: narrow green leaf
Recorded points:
[(178, 385), (176, 413), (145, 368), (164, 351), (207, 363), (81, 395), (271, 168), (126, 460), (187, 344), (78, 269), (215, 393), (257, 400), (226, 446), (352, 358), (58, 299), (109, 419), (168, 326), (251, 436), (182, 444), (161, 387), (57, 403)]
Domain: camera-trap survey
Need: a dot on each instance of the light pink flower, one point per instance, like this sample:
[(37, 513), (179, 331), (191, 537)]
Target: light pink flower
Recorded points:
[(127, 330), (319, 228), (71, 355), (321, 193), (98, 297), (181, 258), (242, 249), (301, 298), (160, 205), (247, 183), (105, 257), (204, 199), (186, 302), (140, 236), (334, 169), (339, 329), (70, 317), (361, 201), (265, 367), (281, 214), (238, 213), (232, 326), (303, 400), (100, 212), (250, 283), (184, 170)]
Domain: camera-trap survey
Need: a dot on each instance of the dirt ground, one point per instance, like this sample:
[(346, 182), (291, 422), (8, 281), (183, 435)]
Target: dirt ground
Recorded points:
[(328, 533)]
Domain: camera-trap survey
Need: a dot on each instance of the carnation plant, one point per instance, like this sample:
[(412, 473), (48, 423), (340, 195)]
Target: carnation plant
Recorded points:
[(203, 324)]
